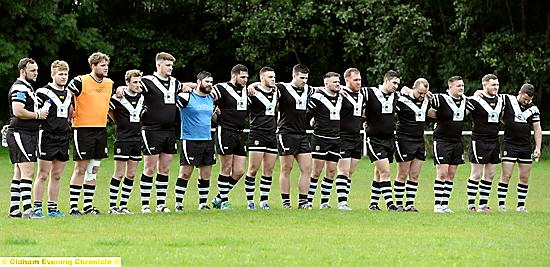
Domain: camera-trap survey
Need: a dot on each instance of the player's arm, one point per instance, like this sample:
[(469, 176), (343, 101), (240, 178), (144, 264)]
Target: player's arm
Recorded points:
[(251, 89), (538, 139), (188, 87), (18, 98)]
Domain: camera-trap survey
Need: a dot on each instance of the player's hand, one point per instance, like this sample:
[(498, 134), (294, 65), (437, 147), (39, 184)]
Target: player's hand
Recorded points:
[(343, 93), (188, 87), (5, 129), (430, 95), (406, 90), (217, 111), (120, 91), (252, 88), (42, 114), (478, 93), (536, 154)]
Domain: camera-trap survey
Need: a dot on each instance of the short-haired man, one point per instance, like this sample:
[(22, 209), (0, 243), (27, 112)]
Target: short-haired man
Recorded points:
[(351, 144), (262, 141), (485, 149), (197, 148), (324, 106), (380, 111), (232, 101), (53, 138), (449, 110), (126, 111), (293, 143), (159, 122), (520, 114), (410, 151), (92, 93), (22, 137)]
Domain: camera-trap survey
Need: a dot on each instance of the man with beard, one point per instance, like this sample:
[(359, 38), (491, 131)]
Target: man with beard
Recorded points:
[(197, 148), (350, 135), (484, 150), (520, 114), (232, 102), (410, 151), (380, 109), (92, 93), (262, 141), (53, 142), (22, 137)]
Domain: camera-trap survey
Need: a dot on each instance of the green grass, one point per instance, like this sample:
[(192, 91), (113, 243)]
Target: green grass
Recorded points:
[(292, 237)]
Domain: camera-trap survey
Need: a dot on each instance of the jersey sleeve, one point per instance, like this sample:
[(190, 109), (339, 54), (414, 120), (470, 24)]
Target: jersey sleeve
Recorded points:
[(75, 86), (112, 104), (182, 100), (470, 103), (41, 96), (19, 93)]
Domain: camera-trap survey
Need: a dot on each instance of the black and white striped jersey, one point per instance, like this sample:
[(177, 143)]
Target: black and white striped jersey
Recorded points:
[(22, 92), (485, 112), (325, 110), (160, 111), (262, 110), (518, 121), (450, 113), (351, 120), (292, 108), (57, 122), (380, 112), (126, 112), (411, 118), (232, 100)]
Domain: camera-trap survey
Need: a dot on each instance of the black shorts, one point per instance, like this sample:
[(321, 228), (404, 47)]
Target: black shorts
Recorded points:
[(53, 147), (407, 151), (325, 148), (128, 150), (197, 153), (159, 141), (519, 154), (229, 142), (22, 146), (378, 148), (484, 153), (260, 141), (90, 143), (351, 146), (292, 144), (451, 153)]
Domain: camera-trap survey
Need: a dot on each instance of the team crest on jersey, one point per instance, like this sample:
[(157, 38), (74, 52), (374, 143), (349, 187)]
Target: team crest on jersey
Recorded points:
[(118, 150), (504, 153), (256, 142), (106, 150), (317, 148)]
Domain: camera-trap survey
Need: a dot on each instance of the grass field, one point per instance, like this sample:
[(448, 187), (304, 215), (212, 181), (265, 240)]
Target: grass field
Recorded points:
[(292, 237)]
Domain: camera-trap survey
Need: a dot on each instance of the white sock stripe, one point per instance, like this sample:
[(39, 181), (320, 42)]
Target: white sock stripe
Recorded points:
[(124, 186), (113, 187), (181, 188), (179, 195), (145, 184), (158, 183)]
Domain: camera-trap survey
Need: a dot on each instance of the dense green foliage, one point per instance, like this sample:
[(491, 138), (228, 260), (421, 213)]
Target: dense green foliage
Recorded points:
[(433, 39)]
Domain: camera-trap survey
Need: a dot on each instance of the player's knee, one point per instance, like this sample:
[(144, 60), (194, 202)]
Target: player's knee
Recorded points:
[(524, 179)]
